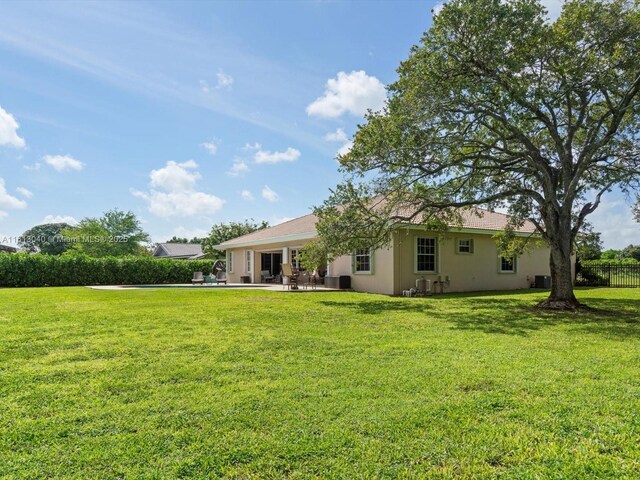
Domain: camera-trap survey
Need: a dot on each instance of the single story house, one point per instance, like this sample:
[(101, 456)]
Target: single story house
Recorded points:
[(7, 249), (465, 258), (186, 251)]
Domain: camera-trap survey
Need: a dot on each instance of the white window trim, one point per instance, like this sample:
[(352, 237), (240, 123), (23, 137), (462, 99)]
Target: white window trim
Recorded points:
[(470, 240), (507, 272), (248, 262), (230, 262), (354, 260), (415, 255)]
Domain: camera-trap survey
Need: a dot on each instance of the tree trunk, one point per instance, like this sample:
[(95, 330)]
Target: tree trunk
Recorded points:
[(561, 297)]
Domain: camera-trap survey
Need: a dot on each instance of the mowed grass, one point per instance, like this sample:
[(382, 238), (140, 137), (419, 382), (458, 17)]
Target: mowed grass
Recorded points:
[(256, 384)]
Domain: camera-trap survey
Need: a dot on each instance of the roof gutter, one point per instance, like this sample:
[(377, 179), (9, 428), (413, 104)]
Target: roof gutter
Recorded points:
[(266, 241)]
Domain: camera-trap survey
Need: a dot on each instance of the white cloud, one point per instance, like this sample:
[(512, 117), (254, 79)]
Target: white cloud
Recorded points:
[(269, 194), (438, 8), (613, 219), (9, 201), (337, 136), (2, 215), (189, 233), (352, 93), (9, 130), (246, 195), (175, 176), (289, 155), (346, 148), (211, 147), (204, 86), (340, 136), (60, 219), (238, 168), (174, 192), (248, 147), (24, 192), (63, 162), (224, 80), (33, 168)]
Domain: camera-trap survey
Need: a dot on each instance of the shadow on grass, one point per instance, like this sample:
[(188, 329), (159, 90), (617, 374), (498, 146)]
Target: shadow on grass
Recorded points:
[(502, 313)]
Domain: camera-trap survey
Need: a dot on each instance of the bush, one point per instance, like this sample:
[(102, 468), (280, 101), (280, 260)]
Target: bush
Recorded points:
[(24, 270), (625, 261)]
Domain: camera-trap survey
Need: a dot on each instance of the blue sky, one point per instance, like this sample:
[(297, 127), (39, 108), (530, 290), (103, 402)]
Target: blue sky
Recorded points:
[(193, 113)]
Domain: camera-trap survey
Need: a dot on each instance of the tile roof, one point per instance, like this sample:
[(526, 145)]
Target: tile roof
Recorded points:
[(182, 249), (305, 227), (302, 226)]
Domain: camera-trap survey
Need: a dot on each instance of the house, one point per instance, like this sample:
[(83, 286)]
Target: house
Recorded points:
[(7, 249), (465, 258), (186, 251)]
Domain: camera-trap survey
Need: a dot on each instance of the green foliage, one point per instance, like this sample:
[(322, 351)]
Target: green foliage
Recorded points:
[(631, 251), (588, 246), (314, 255), (221, 232), (613, 261), (611, 254), (496, 106), (46, 238), (194, 240), (25, 270), (116, 233), (253, 384)]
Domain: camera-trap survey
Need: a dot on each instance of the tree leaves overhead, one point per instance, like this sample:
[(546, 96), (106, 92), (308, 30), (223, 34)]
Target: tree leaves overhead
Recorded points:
[(499, 107)]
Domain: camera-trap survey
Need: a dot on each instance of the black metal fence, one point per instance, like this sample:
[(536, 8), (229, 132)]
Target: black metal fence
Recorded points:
[(608, 275)]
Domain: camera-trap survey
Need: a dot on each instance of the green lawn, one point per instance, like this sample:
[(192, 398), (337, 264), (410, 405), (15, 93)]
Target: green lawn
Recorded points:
[(256, 384)]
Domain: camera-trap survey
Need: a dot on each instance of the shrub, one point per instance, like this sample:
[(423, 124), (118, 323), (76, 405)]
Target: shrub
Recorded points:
[(24, 270)]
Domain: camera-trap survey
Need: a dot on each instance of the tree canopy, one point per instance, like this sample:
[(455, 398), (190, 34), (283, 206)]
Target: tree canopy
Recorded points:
[(116, 233), (194, 240), (497, 106), (45, 238), (221, 232)]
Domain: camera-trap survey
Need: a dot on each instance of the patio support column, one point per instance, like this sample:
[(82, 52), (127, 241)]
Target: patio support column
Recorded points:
[(252, 259), (285, 259)]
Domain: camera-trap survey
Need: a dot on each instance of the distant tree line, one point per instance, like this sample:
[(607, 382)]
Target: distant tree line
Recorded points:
[(117, 233)]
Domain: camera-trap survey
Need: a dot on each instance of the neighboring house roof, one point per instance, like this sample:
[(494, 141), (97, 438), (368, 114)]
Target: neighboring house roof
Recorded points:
[(190, 251), (8, 249), (304, 228)]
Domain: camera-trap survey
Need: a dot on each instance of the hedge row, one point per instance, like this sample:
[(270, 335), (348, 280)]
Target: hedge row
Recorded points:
[(625, 261), (24, 270)]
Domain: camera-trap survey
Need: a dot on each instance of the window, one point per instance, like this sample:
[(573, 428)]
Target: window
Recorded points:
[(230, 262), (248, 254), (362, 261), (465, 246), (295, 263), (425, 254), (507, 264)]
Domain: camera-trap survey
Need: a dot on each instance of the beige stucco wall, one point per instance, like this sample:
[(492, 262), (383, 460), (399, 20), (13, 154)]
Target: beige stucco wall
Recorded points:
[(393, 267), (467, 272), (380, 280)]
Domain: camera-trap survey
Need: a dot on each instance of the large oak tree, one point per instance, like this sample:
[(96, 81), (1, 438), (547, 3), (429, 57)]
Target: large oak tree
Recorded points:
[(497, 106)]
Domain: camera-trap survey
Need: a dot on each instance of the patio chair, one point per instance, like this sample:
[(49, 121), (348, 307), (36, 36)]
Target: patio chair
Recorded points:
[(197, 278), (309, 279), (292, 277), (266, 277), (221, 277)]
